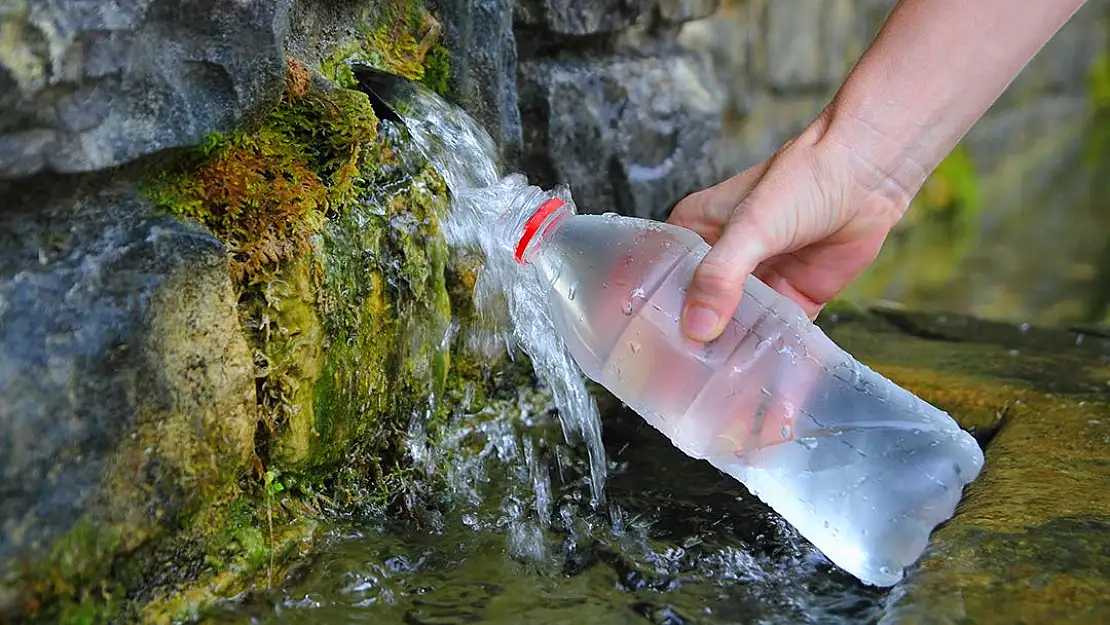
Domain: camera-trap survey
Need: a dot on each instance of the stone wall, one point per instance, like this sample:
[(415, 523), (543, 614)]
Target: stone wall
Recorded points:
[(637, 103)]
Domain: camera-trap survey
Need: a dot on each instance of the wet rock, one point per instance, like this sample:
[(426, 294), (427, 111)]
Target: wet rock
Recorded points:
[(126, 387), (727, 39), (85, 86), (680, 11), (582, 17), (630, 134), (484, 66), (1031, 542)]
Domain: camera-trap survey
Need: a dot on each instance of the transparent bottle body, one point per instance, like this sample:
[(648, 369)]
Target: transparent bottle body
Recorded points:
[(859, 466)]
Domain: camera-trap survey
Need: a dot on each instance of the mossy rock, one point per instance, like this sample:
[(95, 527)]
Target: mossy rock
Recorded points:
[(340, 279), (397, 36)]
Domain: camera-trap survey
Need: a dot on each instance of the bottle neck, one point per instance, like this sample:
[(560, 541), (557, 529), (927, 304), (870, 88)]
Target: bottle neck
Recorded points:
[(539, 225)]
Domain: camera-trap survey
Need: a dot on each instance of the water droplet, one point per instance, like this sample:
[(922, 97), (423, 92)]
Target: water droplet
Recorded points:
[(573, 291), (633, 346), (808, 442), (785, 432), (628, 307)]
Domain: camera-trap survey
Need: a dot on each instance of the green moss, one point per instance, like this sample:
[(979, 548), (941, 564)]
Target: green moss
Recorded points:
[(73, 578), (264, 191), (396, 36), (437, 69), (341, 279)]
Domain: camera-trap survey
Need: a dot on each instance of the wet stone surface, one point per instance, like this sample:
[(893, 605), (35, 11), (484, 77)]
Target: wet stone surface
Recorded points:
[(126, 390)]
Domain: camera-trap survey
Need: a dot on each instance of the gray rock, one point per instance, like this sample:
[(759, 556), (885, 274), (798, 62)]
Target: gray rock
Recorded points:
[(806, 45), (727, 39), (629, 134), (582, 17), (484, 66), (126, 386), (90, 85), (680, 11)]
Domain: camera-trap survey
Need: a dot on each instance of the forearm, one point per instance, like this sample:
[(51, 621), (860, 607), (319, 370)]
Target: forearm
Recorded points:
[(934, 68)]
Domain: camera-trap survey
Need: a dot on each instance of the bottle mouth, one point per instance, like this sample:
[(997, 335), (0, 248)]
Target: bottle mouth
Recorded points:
[(535, 223)]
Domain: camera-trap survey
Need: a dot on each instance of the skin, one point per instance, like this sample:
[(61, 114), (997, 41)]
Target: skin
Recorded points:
[(811, 217)]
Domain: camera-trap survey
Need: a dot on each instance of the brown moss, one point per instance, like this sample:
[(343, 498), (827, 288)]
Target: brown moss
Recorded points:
[(265, 191), (298, 78)]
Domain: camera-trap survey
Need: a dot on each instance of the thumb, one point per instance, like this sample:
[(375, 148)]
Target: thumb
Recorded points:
[(718, 282)]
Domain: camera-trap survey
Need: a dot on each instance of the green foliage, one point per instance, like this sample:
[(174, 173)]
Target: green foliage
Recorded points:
[(437, 69), (1098, 85), (1098, 156), (951, 197)]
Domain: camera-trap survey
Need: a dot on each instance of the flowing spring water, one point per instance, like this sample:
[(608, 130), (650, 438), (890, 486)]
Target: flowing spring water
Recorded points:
[(486, 215)]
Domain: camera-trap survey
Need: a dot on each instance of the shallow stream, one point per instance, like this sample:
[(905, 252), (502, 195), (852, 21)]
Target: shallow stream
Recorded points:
[(678, 543)]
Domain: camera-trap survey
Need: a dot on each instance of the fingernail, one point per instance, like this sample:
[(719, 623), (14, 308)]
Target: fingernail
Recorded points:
[(700, 323)]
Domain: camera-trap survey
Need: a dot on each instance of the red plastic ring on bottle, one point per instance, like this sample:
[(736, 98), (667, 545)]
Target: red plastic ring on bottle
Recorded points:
[(533, 224)]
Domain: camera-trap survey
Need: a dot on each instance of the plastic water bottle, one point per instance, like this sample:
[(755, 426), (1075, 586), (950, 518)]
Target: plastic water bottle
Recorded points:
[(861, 467)]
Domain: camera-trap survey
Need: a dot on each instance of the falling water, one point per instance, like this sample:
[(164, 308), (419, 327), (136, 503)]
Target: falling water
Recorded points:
[(487, 213)]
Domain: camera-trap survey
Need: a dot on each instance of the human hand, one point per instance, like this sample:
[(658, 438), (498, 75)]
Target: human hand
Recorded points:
[(806, 221)]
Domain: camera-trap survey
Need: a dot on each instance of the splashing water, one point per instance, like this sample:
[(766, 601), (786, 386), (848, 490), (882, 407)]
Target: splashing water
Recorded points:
[(487, 214)]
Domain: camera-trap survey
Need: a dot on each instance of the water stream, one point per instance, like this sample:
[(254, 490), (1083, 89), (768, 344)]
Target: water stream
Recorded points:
[(486, 216), (549, 517)]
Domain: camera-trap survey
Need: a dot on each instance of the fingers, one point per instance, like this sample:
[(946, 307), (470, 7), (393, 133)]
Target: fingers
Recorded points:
[(718, 281), (772, 274)]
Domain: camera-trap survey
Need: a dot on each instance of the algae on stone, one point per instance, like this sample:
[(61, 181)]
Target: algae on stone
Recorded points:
[(401, 39)]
